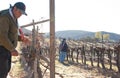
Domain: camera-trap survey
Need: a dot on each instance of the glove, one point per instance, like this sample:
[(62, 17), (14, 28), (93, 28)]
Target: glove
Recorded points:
[(21, 34)]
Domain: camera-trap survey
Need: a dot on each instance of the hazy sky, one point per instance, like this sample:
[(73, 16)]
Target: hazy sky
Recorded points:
[(90, 15)]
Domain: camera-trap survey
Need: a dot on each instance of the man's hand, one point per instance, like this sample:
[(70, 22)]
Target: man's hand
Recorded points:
[(14, 53)]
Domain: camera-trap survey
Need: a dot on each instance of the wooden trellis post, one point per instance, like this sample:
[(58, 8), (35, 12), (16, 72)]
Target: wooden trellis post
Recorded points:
[(52, 38), (35, 73), (39, 22)]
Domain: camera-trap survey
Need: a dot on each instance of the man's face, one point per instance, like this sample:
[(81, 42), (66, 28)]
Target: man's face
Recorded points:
[(17, 12)]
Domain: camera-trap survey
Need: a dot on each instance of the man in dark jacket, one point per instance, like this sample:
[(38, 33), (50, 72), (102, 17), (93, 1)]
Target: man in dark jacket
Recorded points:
[(9, 35), (63, 50)]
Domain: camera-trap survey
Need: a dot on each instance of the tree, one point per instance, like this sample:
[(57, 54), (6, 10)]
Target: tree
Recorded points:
[(98, 35), (106, 36), (101, 36)]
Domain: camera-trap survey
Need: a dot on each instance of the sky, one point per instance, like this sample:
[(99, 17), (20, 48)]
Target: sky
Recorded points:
[(88, 15)]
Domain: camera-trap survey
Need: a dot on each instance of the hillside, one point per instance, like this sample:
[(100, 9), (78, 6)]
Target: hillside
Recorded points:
[(74, 34), (77, 34)]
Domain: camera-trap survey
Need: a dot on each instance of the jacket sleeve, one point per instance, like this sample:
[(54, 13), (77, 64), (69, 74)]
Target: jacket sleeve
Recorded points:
[(4, 29), (21, 35)]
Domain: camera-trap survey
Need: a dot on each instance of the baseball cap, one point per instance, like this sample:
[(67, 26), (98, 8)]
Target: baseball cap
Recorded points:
[(21, 6)]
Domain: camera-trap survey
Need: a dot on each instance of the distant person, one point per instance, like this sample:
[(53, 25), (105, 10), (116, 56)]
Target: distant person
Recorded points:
[(63, 50), (9, 35)]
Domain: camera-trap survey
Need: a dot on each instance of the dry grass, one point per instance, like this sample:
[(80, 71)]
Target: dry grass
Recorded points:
[(17, 70)]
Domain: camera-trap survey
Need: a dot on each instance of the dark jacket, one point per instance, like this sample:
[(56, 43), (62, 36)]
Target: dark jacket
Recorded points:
[(8, 30), (63, 47)]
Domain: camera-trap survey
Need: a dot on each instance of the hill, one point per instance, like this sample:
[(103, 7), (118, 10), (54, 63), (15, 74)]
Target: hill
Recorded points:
[(74, 34), (78, 34)]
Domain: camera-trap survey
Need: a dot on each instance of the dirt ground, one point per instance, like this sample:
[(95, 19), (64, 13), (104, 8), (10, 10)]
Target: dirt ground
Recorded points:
[(65, 70), (73, 70), (79, 70)]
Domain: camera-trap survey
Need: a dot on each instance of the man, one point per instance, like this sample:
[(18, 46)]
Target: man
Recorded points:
[(9, 35), (63, 50)]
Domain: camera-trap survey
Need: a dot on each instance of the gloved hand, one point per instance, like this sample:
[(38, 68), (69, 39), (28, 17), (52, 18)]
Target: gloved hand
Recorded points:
[(21, 34)]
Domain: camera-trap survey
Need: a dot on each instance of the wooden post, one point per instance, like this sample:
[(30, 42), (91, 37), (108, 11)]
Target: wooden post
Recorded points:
[(33, 37), (35, 60), (52, 38), (34, 23), (34, 71), (33, 47)]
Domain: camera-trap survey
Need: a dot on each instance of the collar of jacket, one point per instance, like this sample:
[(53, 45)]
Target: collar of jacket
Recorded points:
[(11, 13)]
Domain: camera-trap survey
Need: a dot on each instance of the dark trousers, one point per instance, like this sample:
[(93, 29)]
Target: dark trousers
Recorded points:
[(5, 62)]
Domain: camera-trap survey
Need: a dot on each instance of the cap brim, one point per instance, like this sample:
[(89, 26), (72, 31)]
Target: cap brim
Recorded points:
[(23, 12)]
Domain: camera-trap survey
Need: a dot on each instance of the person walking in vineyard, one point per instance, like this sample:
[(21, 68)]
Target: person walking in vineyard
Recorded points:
[(63, 50)]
